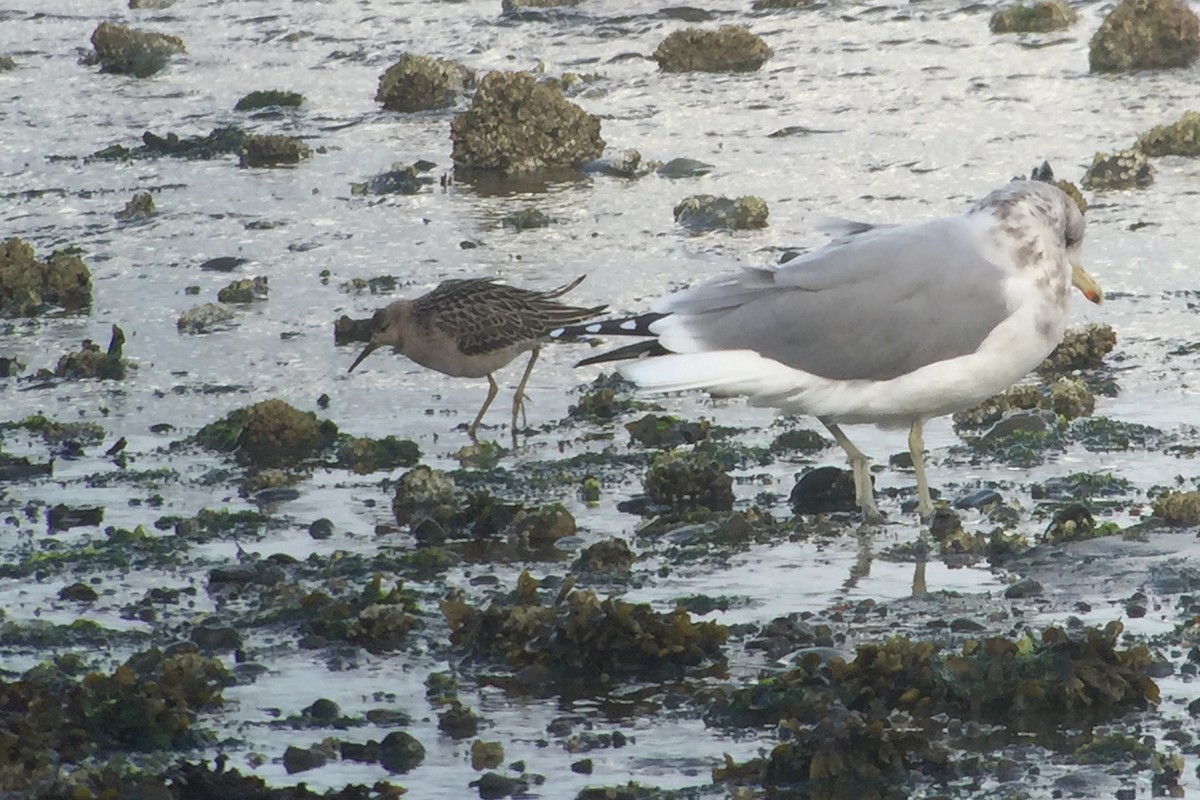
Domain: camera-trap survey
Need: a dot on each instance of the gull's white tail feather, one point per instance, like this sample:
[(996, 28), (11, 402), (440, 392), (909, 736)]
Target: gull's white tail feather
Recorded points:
[(724, 372)]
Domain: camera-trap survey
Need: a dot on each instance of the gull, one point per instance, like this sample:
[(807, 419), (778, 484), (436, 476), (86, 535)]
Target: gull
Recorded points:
[(472, 327), (888, 324)]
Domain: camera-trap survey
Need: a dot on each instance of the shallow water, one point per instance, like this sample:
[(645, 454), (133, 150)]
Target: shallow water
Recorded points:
[(918, 110)]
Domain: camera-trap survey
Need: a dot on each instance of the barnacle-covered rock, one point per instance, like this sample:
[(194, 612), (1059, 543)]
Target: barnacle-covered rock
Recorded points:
[(269, 434), (129, 51), (732, 48), (268, 98), (1180, 138), (1039, 17), (92, 362), (609, 555), (363, 454), (1145, 34), (705, 212), (205, 318), (689, 480), (1081, 348), (381, 627), (1178, 508), (139, 207), (273, 150), (1123, 169), (424, 492), (516, 125), (28, 286), (656, 430), (244, 290), (420, 83), (1068, 398)]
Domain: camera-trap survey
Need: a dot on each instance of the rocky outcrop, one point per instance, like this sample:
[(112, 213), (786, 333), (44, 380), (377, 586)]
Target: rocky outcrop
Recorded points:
[(1040, 17), (1145, 34), (29, 286), (1123, 169), (421, 83), (703, 212), (129, 51), (516, 125), (732, 48)]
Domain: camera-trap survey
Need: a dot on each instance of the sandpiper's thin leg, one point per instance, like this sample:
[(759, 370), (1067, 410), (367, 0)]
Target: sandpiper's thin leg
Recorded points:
[(492, 390), (916, 447), (519, 397), (864, 492)]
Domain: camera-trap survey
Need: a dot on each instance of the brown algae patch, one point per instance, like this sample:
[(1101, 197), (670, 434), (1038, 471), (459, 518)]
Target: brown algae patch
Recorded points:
[(862, 725), (269, 434), (578, 636), (58, 714)]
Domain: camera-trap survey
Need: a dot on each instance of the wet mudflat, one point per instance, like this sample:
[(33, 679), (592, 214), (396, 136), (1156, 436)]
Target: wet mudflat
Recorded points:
[(159, 504)]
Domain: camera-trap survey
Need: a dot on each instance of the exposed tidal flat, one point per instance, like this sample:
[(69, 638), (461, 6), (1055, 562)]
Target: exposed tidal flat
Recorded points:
[(226, 559)]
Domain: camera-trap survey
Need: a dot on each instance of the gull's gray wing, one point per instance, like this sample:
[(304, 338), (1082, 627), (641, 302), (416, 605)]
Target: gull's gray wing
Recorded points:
[(871, 306)]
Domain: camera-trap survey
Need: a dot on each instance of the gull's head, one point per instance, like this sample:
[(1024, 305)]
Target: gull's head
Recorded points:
[(1045, 229), (386, 330)]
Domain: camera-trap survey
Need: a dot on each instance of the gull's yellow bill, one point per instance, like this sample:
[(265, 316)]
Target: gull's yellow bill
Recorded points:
[(1086, 284)]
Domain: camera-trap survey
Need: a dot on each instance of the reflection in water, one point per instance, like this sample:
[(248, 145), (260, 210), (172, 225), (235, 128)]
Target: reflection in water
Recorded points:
[(861, 567), (922, 556)]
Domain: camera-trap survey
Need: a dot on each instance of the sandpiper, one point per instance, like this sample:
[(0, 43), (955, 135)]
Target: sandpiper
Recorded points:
[(472, 327)]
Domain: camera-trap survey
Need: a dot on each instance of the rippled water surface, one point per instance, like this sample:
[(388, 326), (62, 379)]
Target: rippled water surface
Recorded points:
[(912, 110)]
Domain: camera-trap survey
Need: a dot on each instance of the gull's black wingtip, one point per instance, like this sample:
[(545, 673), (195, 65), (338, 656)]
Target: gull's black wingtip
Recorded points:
[(627, 353)]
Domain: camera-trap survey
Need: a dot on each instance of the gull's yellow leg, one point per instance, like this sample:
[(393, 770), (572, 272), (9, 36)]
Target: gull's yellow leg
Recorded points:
[(916, 448), (864, 492)]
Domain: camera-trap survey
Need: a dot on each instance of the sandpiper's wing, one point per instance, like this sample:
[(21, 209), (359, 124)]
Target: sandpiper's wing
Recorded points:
[(484, 316)]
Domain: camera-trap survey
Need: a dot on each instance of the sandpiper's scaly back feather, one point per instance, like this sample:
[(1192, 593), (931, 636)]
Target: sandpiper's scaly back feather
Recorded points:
[(484, 316)]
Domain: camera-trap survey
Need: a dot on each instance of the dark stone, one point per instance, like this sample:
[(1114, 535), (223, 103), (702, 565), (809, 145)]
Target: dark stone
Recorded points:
[(321, 529), (348, 331), (323, 710), (62, 517), (271, 98), (19, 468), (458, 722), (1017, 422), (222, 264), (824, 490), (216, 639), (492, 785), (1026, 587), (363, 753), (79, 593), (400, 752), (979, 499), (299, 759), (964, 625), (273, 150)]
